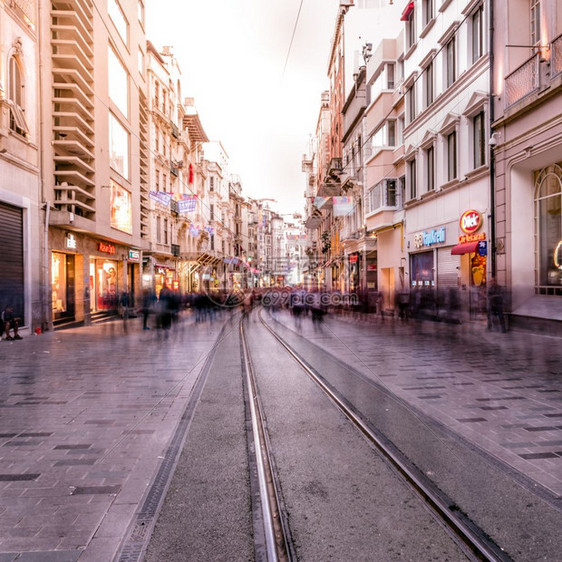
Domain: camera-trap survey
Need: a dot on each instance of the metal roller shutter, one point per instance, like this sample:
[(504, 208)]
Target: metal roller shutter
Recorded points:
[(447, 268), (11, 258)]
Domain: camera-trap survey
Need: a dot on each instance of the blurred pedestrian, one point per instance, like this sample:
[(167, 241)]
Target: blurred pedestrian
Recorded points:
[(148, 301), (10, 322), (496, 304)]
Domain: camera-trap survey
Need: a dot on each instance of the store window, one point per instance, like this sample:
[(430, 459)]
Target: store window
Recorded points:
[(422, 270), (548, 219), (58, 283)]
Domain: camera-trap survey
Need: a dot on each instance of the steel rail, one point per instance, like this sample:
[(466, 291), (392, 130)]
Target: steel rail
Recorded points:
[(277, 549), (471, 537)]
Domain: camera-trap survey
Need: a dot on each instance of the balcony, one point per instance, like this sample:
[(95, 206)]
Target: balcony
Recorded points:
[(556, 54), (523, 81)]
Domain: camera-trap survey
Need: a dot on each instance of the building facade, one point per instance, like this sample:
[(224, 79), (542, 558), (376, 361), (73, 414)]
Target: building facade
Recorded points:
[(527, 149)]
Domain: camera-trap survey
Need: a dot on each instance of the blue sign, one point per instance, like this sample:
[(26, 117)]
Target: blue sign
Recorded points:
[(434, 236), (482, 248)]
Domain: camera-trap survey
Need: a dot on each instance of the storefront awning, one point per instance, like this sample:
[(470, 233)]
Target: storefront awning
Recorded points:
[(466, 248)]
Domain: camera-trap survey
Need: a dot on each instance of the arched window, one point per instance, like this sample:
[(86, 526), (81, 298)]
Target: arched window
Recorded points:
[(15, 97), (548, 228)]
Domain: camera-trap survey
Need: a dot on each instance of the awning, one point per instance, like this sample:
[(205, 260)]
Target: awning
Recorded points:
[(466, 248), (407, 11)]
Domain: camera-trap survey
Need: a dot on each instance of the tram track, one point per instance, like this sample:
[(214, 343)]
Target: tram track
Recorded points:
[(467, 535)]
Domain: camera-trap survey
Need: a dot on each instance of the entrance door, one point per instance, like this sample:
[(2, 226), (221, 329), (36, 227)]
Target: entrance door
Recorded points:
[(62, 285)]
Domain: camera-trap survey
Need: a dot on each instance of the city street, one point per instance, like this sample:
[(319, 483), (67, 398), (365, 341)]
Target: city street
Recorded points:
[(94, 420)]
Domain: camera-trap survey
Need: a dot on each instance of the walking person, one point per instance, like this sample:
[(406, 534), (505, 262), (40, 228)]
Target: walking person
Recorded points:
[(148, 300), (496, 304)]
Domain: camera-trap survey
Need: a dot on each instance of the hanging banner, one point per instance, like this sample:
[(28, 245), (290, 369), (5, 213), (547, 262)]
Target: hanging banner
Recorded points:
[(187, 204), (161, 197), (319, 202), (210, 230), (343, 206), (194, 231)]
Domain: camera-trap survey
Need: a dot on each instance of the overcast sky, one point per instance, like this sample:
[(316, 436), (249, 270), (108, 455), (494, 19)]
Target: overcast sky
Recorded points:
[(232, 54)]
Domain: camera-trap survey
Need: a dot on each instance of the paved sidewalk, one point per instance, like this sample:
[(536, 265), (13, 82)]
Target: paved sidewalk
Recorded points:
[(85, 416), (501, 392)]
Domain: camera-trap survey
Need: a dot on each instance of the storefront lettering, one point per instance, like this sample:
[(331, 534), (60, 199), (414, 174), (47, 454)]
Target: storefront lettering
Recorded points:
[(134, 255), (472, 238), (470, 221), (106, 248), (435, 236)]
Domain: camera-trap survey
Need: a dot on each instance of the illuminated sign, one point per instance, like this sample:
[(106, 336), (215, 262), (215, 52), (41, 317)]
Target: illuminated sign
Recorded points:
[(434, 236), (472, 237), (470, 221), (134, 255), (71, 241), (106, 248)]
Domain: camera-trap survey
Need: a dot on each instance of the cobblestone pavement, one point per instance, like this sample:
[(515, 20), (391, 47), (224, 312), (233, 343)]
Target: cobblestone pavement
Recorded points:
[(85, 415), (501, 392)]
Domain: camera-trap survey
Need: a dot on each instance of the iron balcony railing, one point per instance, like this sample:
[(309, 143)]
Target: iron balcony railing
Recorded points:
[(523, 81), (556, 56)]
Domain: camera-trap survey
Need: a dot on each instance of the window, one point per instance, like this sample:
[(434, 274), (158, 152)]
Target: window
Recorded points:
[(382, 195), (212, 213), (384, 81), (410, 30), (15, 96), (479, 141), (158, 229), (211, 183), (411, 102), (121, 210), (141, 62), (452, 156), (450, 62), (412, 180), (140, 12), (118, 147), (428, 84), (535, 21), (385, 136), (116, 15), (390, 76), (165, 231), (401, 125), (428, 11), (548, 220), (477, 33), (430, 169), (118, 83)]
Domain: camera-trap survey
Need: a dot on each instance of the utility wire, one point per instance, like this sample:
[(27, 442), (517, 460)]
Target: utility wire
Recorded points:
[(292, 38)]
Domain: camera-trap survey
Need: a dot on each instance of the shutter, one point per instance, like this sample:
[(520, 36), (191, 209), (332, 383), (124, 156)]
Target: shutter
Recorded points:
[(11, 258), (447, 272)]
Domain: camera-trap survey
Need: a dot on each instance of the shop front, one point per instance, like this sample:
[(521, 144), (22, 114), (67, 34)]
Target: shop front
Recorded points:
[(104, 286), (472, 248), (63, 276), (165, 276)]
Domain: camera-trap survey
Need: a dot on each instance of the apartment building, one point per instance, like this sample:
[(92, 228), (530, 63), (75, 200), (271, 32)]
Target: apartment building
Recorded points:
[(527, 143), (94, 153), (22, 260), (384, 172), (446, 78)]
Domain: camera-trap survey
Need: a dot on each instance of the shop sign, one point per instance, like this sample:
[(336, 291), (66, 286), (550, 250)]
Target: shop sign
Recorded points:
[(482, 248), (470, 221), (70, 241), (472, 238), (106, 248), (434, 236), (353, 258), (134, 255)]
